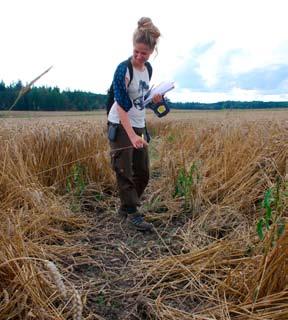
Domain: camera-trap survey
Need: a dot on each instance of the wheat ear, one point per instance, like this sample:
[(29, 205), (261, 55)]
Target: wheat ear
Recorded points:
[(56, 278), (77, 306)]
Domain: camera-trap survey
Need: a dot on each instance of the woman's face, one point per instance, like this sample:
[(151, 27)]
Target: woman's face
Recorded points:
[(141, 53)]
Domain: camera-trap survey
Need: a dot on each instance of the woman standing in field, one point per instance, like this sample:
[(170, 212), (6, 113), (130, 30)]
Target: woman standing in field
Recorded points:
[(126, 123)]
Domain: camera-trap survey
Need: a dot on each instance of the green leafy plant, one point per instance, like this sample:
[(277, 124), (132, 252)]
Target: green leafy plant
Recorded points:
[(99, 196), (186, 184), (75, 185), (76, 180), (266, 221), (171, 138), (100, 299), (272, 219)]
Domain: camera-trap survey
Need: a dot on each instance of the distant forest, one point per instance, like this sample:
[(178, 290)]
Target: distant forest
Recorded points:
[(53, 99)]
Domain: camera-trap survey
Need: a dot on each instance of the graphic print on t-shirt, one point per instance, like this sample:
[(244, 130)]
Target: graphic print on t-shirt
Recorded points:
[(139, 101)]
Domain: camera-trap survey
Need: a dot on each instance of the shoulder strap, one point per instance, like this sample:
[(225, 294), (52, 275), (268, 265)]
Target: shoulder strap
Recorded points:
[(130, 68), (149, 68)]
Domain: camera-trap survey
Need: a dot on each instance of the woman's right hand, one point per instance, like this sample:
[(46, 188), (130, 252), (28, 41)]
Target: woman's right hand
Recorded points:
[(138, 142)]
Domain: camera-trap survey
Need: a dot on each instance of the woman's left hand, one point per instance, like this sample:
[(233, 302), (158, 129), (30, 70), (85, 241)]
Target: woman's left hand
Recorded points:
[(157, 98)]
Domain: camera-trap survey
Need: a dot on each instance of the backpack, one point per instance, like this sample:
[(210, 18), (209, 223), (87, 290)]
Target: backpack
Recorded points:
[(110, 93)]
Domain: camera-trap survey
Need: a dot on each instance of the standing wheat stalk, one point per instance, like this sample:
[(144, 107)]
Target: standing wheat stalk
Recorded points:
[(25, 89)]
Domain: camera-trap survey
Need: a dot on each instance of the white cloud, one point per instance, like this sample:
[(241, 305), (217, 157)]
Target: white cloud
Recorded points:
[(85, 40)]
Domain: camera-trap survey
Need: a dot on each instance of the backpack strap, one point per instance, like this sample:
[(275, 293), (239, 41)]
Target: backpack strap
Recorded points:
[(149, 68), (130, 68)]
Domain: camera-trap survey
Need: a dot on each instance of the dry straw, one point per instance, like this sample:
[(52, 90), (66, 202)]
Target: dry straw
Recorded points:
[(219, 275)]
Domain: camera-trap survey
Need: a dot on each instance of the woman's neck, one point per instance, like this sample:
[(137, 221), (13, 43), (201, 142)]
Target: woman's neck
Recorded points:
[(138, 66)]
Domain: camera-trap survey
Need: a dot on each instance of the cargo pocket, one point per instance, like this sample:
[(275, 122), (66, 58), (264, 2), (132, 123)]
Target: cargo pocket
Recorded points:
[(112, 131)]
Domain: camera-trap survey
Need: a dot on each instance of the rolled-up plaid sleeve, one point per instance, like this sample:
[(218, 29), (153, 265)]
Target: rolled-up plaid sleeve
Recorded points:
[(119, 87)]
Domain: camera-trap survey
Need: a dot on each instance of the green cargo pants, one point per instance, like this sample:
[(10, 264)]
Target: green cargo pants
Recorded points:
[(131, 167)]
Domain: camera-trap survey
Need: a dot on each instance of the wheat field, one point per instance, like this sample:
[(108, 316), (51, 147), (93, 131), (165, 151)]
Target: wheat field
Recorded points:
[(217, 197)]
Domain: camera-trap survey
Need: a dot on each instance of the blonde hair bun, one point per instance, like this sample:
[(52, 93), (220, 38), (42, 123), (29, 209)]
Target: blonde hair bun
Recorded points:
[(146, 33)]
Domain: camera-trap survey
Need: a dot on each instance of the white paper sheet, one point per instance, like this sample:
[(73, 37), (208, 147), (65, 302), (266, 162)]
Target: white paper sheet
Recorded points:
[(162, 88)]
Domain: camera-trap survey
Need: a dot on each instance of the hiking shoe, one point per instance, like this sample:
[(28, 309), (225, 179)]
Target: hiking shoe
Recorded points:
[(123, 210), (137, 221)]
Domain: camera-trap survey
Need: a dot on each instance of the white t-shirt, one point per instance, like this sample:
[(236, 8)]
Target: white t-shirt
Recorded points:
[(136, 91)]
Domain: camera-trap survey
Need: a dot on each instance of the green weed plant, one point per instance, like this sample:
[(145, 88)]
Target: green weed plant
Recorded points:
[(273, 205), (76, 180), (186, 183), (76, 184)]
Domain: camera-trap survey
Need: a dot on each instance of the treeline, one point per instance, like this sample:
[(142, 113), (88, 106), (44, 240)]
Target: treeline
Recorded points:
[(52, 99), (229, 105), (49, 99)]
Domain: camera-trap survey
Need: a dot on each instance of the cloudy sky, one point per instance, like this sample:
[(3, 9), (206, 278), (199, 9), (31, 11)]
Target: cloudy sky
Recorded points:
[(214, 50)]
